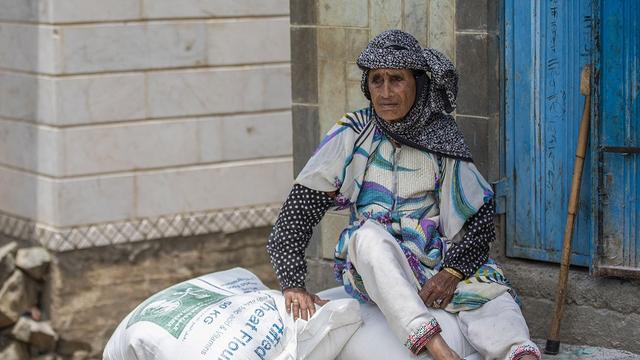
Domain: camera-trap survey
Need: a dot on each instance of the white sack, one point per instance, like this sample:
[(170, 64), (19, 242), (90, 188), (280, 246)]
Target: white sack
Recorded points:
[(228, 315)]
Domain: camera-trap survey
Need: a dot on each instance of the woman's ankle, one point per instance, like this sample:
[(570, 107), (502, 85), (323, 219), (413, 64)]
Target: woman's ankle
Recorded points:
[(439, 349)]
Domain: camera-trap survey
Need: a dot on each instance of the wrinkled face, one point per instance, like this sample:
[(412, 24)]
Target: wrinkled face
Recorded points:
[(393, 92)]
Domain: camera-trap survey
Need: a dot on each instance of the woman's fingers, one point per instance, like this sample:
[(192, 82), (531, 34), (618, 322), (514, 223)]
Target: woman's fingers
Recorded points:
[(287, 303), (295, 307), (308, 309), (317, 300)]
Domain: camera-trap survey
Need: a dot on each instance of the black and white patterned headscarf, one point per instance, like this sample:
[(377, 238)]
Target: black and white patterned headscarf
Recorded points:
[(427, 126)]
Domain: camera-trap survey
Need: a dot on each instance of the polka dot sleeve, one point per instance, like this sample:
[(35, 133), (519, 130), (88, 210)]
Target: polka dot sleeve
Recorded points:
[(473, 250), (303, 209)]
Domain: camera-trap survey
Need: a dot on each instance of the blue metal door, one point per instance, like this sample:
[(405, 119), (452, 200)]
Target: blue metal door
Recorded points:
[(546, 45), (616, 131)]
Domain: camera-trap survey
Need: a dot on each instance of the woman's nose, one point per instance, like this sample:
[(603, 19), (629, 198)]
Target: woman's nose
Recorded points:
[(386, 89)]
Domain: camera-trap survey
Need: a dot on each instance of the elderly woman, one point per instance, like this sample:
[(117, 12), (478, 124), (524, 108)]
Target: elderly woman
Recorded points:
[(421, 213)]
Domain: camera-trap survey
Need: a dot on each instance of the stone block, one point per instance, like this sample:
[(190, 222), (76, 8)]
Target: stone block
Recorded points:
[(243, 137), (26, 195), (34, 48), (117, 47), (442, 27), (34, 261), (355, 41), (216, 91), (39, 334), (76, 199), (303, 12), (304, 65), (385, 15), (30, 147), (220, 186), (355, 97), (14, 350), (65, 11), (23, 11), (416, 16), (330, 228), (218, 8), (86, 282), (98, 98), (306, 135), (320, 275), (124, 147), (7, 260), (17, 294), (26, 97), (472, 15), (332, 97), (475, 131), (332, 45), (343, 13), (263, 41), (354, 73), (472, 70)]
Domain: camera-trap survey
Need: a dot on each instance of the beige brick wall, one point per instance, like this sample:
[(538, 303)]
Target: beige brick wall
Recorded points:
[(119, 117)]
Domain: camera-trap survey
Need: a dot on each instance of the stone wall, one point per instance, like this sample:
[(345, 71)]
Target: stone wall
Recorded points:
[(326, 38), (143, 142), (132, 120)]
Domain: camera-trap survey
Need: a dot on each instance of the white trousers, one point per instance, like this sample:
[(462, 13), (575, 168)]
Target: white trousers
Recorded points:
[(497, 330)]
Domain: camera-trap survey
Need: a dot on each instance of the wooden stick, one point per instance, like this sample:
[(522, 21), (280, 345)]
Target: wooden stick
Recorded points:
[(553, 341)]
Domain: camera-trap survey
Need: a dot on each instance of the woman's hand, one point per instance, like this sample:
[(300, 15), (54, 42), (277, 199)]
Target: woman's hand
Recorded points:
[(301, 303), (438, 291)]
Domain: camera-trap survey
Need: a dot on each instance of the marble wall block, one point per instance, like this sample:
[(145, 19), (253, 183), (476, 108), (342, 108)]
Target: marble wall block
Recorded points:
[(23, 10), (126, 147), (30, 48), (201, 188), (30, 147), (89, 200), (343, 13), (332, 94), (442, 26), (242, 137), (219, 91), (385, 15), (248, 41), (26, 97), (65, 11), (117, 47), (416, 16), (213, 8), (18, 193), (98, 98)]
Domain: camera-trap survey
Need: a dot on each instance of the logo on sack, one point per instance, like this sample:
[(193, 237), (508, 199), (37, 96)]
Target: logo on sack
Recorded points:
[(173, 308)]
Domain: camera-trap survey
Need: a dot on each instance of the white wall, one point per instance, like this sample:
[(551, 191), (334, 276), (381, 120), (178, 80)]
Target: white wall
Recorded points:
[(126, 120)]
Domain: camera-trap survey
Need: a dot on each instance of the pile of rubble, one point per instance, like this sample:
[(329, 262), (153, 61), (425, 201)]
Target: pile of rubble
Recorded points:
[(24, 331)]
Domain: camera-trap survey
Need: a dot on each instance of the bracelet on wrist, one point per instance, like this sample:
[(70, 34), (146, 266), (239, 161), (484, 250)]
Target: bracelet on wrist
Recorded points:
[(454, 272)]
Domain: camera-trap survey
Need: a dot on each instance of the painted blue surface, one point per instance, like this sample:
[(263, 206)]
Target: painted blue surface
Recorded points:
[(546, 45), (618, 126)]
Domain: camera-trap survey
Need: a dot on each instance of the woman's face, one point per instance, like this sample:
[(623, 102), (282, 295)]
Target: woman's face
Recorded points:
[(393, 92)]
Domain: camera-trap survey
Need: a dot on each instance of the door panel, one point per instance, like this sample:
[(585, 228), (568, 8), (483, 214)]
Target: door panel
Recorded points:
[(618, 206), (546, 45)]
